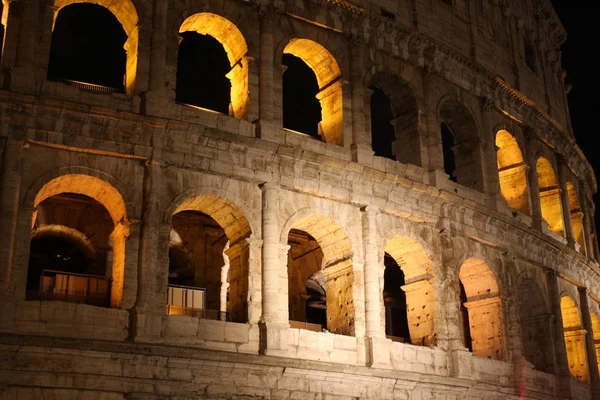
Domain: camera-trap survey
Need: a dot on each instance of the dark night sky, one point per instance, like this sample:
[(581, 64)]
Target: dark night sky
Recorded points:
[(580, 19)]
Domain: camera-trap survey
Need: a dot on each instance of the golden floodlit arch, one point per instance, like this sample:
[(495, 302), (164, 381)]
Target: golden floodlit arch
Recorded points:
[(574, 339), (105, 194), (328, 73), (226, 33), (512, 172), (125, 12), (549, 196), (576, 216)]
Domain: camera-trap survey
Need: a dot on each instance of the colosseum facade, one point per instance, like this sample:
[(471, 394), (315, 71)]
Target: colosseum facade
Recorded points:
[(177, 223)]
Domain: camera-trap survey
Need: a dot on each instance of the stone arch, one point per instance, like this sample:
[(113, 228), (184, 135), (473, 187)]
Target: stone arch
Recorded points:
[(574, 338), (484, 308), (550, 196), (328, 74), (461, 144), (536, 330), (576, 215), (512, 172), (110, 198), (236, 48), (67, 232), (418, 287), (236, 250), (404, 115), (127, 15), (336, 266)]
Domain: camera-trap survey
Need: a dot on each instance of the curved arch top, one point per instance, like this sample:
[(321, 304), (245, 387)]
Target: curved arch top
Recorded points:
[(317, 57)]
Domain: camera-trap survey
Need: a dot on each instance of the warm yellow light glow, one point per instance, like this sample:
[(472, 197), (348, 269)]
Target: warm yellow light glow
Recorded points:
[(111, 199), (512, 172), (596, 336), (576, 216), (419, 288), (484, 308), (126, 14), (328, 74), (574, 339), (236, 48), (549, 196)]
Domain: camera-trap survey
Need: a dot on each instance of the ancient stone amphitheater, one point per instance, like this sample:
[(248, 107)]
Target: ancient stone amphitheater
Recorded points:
[(292, 200)]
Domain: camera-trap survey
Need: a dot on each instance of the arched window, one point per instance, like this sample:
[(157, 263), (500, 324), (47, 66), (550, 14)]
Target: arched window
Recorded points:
[(596, 336), (534, 320), (408, 292), (328, 77), (301, 108), (484, 309), (460, 140), (212, 69), (320, 276), (574, 339), (576, 216), (209, 260), (78, 242), (550, 196), (394, 120), (87, 48), (512, 172)]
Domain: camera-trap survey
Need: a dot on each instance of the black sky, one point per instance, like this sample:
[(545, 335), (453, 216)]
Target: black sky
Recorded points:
[(580, 19)]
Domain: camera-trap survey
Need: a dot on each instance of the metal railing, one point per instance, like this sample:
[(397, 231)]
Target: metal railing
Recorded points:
[(90, 87), (191, 301), (73, 288)]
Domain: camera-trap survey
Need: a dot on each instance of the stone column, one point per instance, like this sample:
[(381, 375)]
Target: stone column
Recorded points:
[(272, 301), (10, 189), (592, 361), (534, 187), (587, 210), (564, 201), (152, 275), (266, 128), (361, 143), (371, 270), (26, 16)]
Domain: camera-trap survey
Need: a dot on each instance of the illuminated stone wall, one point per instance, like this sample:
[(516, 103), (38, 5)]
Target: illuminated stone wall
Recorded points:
[(516, 229)]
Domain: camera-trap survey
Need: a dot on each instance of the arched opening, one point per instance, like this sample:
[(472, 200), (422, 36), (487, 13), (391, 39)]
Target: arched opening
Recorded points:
[(408, 292), (461, 140), (484, 309), (320, 276), (596, 336), (306, 283), (382, 131), (576, 217), (212, 70), (328, 76), (94, 46), (394, 299), (550, 196), (196, 261), (209, 260), (202, 66), (77, 250), (574, 339), (512, 172), (534, 320), (394, 120), (301, 108)]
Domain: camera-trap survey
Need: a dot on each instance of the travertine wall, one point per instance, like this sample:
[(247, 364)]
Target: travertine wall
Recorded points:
[(146, 158)]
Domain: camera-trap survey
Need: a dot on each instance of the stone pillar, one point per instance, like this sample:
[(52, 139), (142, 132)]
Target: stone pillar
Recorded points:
[(361, 143), (372, 267), (23, 72), (534, 187), (592, 361), (564, 201), (587, 210), (274, 305), (10, 189), (14, 9), (266, 128), (561, 363), (151, 288), (487, 337)]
